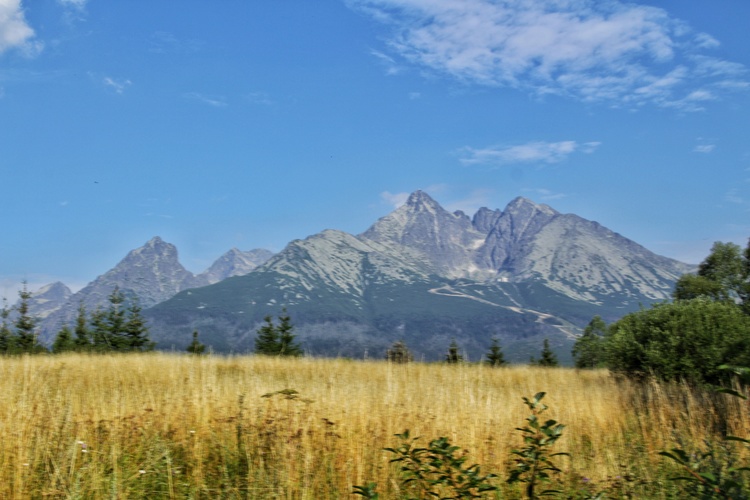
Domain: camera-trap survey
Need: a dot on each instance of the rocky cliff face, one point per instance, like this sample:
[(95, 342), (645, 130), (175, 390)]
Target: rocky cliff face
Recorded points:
[(233, 263), (577, 257), (428, 275), (151, 273)]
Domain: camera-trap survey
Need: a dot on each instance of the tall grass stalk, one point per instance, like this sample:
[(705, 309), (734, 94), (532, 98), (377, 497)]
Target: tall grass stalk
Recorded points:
[(174, 426)]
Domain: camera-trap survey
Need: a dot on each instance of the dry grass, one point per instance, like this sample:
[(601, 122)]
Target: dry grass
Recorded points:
[(172, 426)]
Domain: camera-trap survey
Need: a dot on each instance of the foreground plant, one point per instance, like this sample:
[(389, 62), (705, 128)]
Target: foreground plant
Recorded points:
[(437, 471), (712, 473), (533, 464)]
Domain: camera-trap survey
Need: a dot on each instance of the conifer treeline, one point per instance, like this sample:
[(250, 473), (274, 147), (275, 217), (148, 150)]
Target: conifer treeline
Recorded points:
[(118, 328)]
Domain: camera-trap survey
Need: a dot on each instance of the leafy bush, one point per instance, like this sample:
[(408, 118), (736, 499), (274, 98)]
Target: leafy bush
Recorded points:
[(684, 340)]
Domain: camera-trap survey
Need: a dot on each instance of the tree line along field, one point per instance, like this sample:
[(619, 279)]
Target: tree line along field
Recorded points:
[(158, 425)]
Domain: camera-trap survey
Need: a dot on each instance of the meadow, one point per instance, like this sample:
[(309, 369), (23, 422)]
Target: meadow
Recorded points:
[(176, 426)]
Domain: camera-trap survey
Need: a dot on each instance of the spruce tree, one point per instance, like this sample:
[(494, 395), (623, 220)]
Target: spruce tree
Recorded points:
[(287, 346), (115, 321), (548, 358), (453, 355), (495, 356), (399, 353), (267, 341), (135, 332), (195, 347), (25, 326), (100, 337), (6, 336), (82, 333), (64, 341)]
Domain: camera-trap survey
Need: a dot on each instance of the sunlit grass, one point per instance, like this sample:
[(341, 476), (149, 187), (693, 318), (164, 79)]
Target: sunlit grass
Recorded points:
[(173, 426)]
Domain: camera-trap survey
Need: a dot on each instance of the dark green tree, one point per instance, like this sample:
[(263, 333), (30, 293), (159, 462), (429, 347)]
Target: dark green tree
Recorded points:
[(100, 336), (685, 340), (287, 345), (6, 336), (547, 357), (64, 341), (495, 356), (267, 341), (115, 321), (277, 340), (453, 355), (135, 334), (195, 347), (83, 341), (588, 350), (25, 334), (399, 353)]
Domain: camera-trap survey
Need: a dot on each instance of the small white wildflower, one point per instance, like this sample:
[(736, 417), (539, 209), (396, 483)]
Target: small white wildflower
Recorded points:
[(141, 471), (192, 432)]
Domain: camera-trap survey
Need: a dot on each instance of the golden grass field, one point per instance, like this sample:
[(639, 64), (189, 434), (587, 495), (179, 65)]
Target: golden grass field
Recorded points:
[(177, 426)]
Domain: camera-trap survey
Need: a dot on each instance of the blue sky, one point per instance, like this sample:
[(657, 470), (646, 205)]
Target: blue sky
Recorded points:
[(251, 123)]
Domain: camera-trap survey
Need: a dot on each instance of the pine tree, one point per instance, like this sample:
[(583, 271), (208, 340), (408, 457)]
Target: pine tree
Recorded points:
[(453, 355), (548, 358), (278, 340), (115, 321), (195, 347), (6, 336), (135, 331), (82, 333), (100, 338), (399, 353), (495, 356), (287, 346), (25, 325), (64, 341), (267, 341)]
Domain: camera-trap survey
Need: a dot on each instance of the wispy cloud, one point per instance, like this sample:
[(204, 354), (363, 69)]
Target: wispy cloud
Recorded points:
[(215, 101), (15, 32), (394, 199), (259, 98), (118, 85), (531, 152), (545, 194), (398, 199), (600, 51), (164, 42), (704, 145), (74, 4)]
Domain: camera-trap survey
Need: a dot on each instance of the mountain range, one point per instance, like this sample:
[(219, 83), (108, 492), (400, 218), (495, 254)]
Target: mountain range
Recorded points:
[(420, 274)]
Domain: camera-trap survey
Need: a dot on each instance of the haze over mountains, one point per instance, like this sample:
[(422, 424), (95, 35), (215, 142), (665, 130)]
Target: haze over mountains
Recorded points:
[(421, 274)]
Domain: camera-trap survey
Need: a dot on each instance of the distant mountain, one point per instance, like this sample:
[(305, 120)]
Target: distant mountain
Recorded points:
[(152, 274), (47, 300), (234, 263), (425, 275)]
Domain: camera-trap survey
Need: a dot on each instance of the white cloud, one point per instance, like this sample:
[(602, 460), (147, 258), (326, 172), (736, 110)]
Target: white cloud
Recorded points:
[(734, 196), (394, 199), (546, 194), (75, 4), (531, 152), (592, 50), (259, 98), (15, 32), (471, 203), (117, 84), (217, 102), (704, 148)]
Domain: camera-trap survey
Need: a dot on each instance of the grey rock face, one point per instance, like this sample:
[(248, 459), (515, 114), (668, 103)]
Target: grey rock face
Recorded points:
[(152, 273), (234, 263)]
